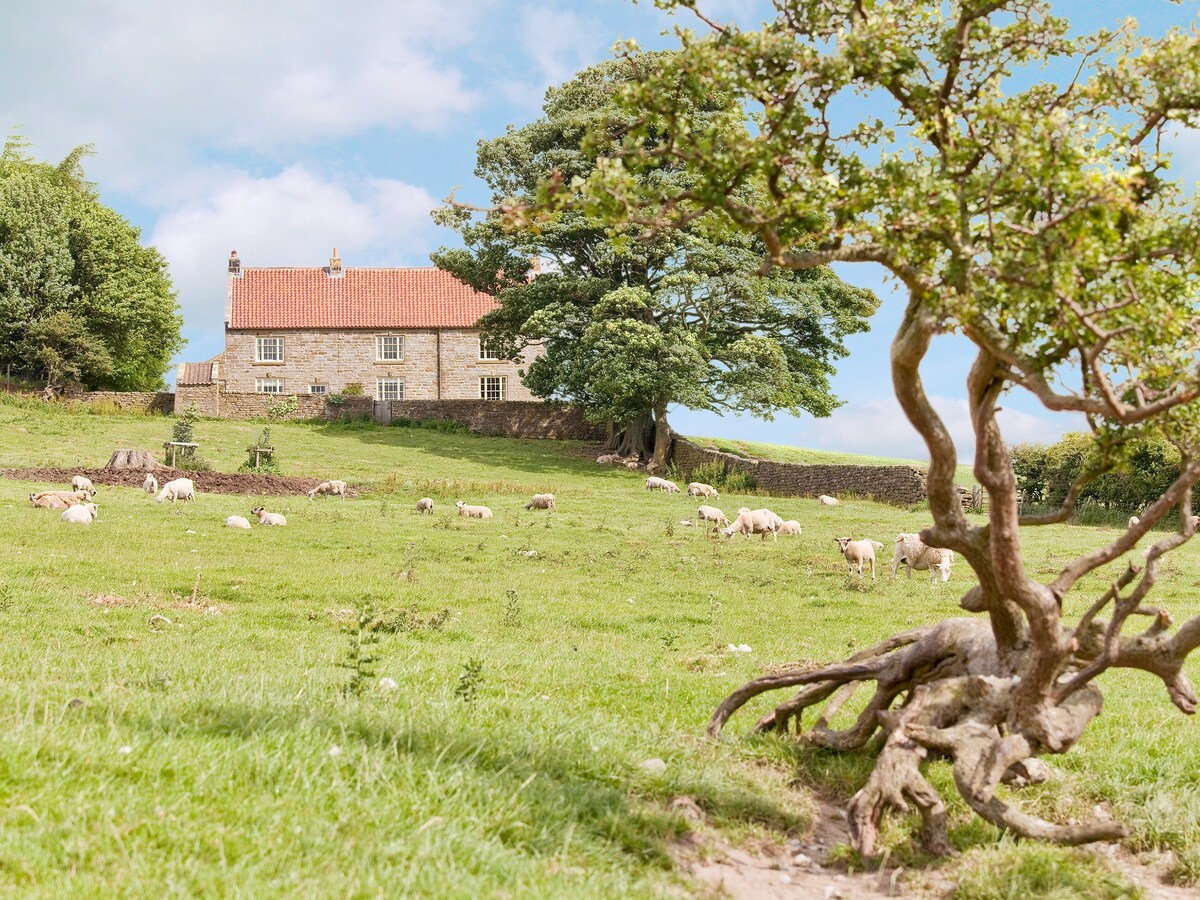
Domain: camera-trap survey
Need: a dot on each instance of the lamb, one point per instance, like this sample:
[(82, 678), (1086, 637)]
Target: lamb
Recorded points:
[(826, 500), (857, 553), (654, 483), (758, 521), (179, 489), (80, 514), (150, 485), (267, 518), (425, 505), (711, 514), (915, 554), (473, 512), (58, 499), (541, 501), (607, 459), (791, 526), (333, 488), (83, 483), (700, 489), (1134, 520), (236, 522)]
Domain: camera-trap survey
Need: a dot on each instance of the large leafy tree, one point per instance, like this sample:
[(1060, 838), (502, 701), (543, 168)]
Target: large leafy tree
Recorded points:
[(1037, 219), (81, 300), (633, 323)]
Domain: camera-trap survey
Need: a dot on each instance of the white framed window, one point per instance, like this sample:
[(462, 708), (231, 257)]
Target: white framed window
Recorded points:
[(486, 352), (268, 349), (318, 389), (389, 347), (493, 388), (389, 388), (268, 386)]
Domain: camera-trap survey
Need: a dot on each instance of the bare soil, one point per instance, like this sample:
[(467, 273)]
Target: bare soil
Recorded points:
[(206, 482)]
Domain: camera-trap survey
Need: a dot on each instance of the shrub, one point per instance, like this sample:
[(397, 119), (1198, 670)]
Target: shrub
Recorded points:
[(445, 426), (720, 476), (354, 389), (282, 408)]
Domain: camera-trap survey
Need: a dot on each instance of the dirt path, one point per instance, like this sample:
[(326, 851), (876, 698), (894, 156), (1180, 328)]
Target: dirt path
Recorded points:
[(206, 482)]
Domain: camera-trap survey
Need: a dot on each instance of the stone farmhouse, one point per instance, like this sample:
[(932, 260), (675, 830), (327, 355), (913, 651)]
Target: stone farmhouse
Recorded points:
[(389, 334)]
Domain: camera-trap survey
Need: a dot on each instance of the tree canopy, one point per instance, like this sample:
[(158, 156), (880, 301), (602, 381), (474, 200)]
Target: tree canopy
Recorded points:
[(1037, 219), (631, 323), (81, 300)]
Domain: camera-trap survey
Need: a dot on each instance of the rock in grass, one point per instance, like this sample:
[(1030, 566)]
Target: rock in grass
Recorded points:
[(654, 765)]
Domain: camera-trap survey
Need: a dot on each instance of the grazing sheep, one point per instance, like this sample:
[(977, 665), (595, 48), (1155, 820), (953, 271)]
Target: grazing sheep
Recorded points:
[(858, 552), (80, 514), (1133, 520), (654, 483), (700, 489), (711, 514), (83, 483), (58, 499), (826, 500), (333, 488), (791, 526), (267, 518), (541, 501), (758, 521), (150, 485), (425, 505), (915, 554), (473, 512), (236, 522), (179, 489)]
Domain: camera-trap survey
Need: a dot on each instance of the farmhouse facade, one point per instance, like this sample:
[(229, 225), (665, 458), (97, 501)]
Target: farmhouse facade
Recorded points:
[(390, 334)]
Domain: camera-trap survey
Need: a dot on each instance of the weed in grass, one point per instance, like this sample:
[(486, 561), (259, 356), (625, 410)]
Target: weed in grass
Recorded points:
[(469, 680), (409, 618), (1009, 871), (6, 598), (359, 659), (668, 639), (512, 609)]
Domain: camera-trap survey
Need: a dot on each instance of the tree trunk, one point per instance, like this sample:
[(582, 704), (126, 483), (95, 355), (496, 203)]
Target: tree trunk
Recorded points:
[(636, 439), (662, 439), (132, 459)]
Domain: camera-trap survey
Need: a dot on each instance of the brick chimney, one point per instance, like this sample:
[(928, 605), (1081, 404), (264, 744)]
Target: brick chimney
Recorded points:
[(335, 265), (235, 265)]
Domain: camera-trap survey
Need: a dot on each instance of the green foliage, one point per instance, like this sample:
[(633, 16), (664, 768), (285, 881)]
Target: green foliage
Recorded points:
[(354, 389), (1061, 873), (183, 431), (282, 407), (359, 657), (411, 619), (444, 426), (720, 476), (267, 463), (469, 680)]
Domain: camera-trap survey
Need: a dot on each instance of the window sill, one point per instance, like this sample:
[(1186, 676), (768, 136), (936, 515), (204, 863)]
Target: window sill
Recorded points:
[(269, 362)]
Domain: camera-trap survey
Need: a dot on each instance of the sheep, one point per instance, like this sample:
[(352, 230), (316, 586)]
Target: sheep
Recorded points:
[(541, 501), (1134, 520), (83, 483), (915, 554), (473, 512), (654, 483), (791, 526), (236, 522), (58, 499), (857, 553), (632, 464), (179, 489), (826, 500), (758, 521), (335, 488), (607, 459), (267, 518), (711, 514), (700, 489), (425, 505), (150, 485), (80, 514)]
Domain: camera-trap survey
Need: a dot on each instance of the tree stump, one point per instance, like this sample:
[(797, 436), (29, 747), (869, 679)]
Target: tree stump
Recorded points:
[(133, 459)]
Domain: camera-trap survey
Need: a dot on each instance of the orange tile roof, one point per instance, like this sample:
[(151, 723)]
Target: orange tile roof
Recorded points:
[(360, 298), (195, 373)]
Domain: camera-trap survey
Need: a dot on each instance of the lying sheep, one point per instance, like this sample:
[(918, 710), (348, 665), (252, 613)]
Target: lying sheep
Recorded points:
[(58, 499), (711, 514), (236, 522), (83, 483), (758, 521), (859, 552), (791, 526), (267, 518), (915, 554), (826, 500), (332, 488), (654, 483), (150, 485), (607, 459), (80, 514), (700, 489), (473, 512), (179, 489), (425, 505), (541, 501), (1134, 520)]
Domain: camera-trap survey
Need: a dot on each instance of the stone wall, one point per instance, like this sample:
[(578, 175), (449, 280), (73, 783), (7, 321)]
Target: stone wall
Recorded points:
[(144, 402), (892, 484)]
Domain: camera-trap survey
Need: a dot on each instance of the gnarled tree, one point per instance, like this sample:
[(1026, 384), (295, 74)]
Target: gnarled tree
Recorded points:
[(1036, 220)]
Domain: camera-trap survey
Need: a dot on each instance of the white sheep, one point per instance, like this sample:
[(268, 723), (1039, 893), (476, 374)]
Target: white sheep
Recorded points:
[(179, 489), (858, 552), (236, 522), (58, 499), (607, 459), (790, 526), (1134, 520), (333, 488), (80, 514), (541, 501), (826, 500), (758, 521), (425, 505), (473, 512), (83, 483), (150, 485), (700, 489), (267, 518), (711, 514), (654, 483), (915, 554)]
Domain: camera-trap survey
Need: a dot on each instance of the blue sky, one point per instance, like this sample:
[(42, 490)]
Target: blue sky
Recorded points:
[(283, 130)]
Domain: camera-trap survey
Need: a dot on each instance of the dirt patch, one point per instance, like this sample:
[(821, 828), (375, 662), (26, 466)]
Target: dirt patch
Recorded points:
[(206, 482)]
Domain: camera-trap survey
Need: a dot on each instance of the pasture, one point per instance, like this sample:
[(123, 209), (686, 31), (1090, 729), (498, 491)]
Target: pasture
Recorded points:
[(190, 709)]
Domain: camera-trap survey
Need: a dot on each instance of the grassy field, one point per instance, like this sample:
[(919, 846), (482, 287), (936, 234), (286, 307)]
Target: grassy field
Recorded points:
[(179, 713)]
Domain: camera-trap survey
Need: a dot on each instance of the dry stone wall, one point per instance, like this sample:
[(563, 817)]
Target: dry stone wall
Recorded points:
[(144, 402)]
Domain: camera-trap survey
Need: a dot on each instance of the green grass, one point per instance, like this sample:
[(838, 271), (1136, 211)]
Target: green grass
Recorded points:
[(221, 753)]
